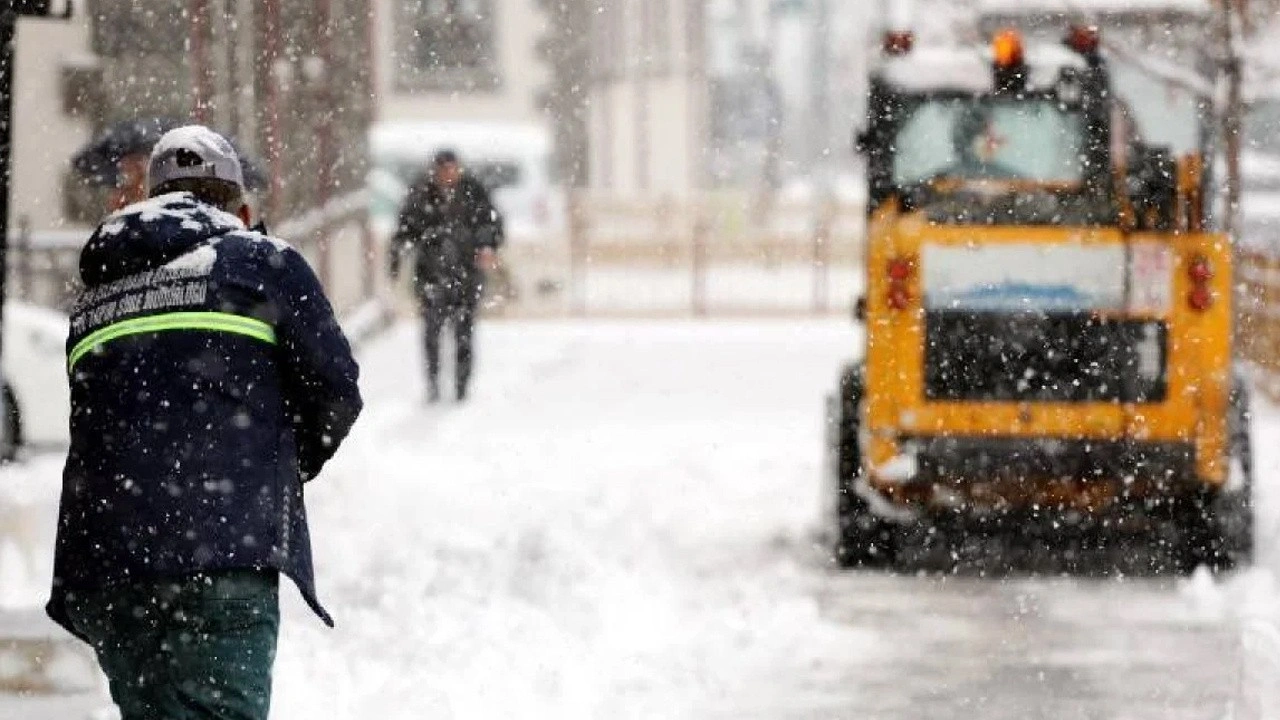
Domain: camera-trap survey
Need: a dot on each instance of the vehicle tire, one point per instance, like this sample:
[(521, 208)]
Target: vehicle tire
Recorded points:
[(1222, 533), (11, 430), (1232, 509), (862, 539)]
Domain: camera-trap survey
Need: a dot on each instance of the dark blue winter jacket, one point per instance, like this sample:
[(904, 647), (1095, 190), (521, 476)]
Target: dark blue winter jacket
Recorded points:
[(209, 381)]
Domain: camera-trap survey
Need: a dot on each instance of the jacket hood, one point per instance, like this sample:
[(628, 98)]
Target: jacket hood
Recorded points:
[(149, 234)]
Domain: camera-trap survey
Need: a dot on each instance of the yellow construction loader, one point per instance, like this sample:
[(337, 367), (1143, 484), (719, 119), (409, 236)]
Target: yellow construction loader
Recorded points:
[(1048, 319)]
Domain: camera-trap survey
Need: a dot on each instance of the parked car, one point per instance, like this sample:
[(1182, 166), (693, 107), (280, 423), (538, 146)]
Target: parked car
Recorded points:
[(36, 394), (513, 160)]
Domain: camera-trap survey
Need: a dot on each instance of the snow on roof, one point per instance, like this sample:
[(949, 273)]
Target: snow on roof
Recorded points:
[(935, 68), (419, 140), (968, 69), (1092, 7)]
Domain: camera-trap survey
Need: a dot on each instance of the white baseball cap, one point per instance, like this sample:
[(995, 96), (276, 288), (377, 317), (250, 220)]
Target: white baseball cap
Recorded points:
[(193, 151)]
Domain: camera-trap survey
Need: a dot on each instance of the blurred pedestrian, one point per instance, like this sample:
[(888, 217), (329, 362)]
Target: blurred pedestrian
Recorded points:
[(452, 231), (131, 181), (209, 381)]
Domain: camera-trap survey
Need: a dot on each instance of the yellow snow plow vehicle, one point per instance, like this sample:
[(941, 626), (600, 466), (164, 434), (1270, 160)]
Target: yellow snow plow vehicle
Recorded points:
[(1048, 320)]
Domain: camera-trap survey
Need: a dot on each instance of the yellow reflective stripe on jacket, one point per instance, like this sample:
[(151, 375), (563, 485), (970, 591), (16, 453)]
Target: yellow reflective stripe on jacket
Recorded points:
[(206, 321)]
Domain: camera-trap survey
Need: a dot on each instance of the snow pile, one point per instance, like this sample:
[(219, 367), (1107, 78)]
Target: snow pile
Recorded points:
[(1247, 600), (617, 527), (28, 523), (1252, 597), (1247, 603), (614, 528)]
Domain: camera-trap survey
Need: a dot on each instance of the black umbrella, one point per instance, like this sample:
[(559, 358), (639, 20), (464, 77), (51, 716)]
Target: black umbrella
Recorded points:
[(98, 161)]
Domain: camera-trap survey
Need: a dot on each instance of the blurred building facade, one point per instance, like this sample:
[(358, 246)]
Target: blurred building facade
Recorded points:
[(689, 94), (469, 60), (290, 81), (788, 83), (45, 134), (648, 97)]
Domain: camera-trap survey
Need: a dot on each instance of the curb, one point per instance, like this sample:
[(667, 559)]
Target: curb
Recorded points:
[(39, 658)]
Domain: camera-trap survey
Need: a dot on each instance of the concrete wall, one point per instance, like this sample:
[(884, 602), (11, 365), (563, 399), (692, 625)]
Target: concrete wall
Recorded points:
[(43, 137), (648, 112)]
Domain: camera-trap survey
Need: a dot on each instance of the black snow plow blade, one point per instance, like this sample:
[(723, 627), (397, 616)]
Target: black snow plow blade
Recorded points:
[(1137, 539)]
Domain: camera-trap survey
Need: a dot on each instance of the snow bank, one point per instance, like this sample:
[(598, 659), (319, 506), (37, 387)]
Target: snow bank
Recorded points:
[(1247, 600), (1251, 598), (612, 529), (28, 523)]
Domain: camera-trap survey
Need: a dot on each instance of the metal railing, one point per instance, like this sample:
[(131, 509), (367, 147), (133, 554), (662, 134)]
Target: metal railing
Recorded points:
[(715, 254), (43, 265), (336, 239), (1258, 317), (339, 242)]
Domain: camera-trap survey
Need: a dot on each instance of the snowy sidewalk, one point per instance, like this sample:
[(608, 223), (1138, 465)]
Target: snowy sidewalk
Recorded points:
[(45, 674), (618, 525), (39, 658), (611, 528), (615, 526)]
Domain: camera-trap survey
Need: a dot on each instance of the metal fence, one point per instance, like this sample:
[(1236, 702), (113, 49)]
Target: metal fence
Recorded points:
[(1258, 333), (336, 239), (708, 257), (705, 256)]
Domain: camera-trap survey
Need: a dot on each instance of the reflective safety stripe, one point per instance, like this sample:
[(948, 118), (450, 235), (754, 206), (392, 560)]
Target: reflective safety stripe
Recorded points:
[(206, 321)]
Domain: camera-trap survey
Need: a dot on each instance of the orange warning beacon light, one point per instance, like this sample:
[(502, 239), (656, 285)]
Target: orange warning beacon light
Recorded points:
[(1010, 66), (1007, 48)]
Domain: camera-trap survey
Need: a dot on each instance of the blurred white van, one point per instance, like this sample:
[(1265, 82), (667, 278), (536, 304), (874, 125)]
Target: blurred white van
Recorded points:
[(37, 399), (514, 160)]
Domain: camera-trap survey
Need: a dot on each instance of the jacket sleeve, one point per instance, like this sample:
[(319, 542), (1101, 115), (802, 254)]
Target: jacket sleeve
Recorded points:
[(319, 372), (485, 218), (416, 219)]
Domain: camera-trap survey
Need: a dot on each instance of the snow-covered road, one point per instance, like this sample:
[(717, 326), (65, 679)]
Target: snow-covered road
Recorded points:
[(615, 527), (621, 523)]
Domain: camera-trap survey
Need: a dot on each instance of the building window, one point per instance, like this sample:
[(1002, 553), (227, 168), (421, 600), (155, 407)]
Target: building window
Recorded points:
[(127, 28), (446, 45)]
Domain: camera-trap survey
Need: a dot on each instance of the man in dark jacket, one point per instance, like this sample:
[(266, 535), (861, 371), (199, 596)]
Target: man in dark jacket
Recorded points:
[(209, 381), (452, 231)]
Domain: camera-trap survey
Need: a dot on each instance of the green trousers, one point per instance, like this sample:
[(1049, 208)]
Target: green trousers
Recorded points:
[(192, 648)]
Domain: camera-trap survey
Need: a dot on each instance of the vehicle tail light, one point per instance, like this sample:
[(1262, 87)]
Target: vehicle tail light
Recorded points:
[(1200, 273), (900, 271), (1200, 298), (898, 298)]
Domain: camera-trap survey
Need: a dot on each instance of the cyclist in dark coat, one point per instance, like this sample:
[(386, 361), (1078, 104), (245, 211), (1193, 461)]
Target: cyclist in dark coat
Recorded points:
[(452, 231)]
